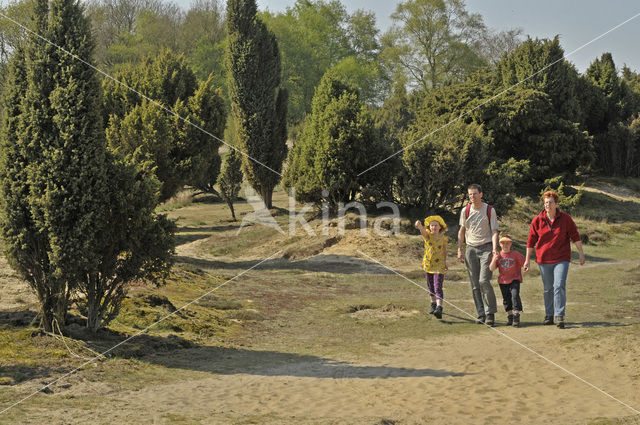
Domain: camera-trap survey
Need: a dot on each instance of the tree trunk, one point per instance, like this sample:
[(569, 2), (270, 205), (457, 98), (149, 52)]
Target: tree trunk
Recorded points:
[(266, 194), (233, 213), (46, 319)]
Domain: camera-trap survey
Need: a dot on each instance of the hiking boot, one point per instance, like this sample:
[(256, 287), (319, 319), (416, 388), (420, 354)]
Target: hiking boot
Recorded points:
[(438, 312), (516, 320), (509, 319), (490, 320), (560, 322), (480, 320), (433, 307), (548, 320)]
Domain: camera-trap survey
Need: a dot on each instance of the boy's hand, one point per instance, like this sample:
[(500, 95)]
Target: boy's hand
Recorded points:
[(446, 268)]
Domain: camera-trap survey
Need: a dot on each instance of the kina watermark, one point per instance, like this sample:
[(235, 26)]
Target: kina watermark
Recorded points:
[(385, 223)]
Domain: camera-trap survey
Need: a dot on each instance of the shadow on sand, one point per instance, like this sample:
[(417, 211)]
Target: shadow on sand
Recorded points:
[(343, 264)]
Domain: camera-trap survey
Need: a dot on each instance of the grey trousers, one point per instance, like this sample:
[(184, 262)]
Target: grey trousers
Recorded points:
[(477, 259)]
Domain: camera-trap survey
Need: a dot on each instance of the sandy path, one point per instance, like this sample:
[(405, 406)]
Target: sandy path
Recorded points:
[(483, 378)]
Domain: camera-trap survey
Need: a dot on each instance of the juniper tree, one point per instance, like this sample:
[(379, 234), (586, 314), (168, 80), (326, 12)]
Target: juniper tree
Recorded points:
[(338, 142), (73, 216), (230, 179), (182, 152), (258, 102), (198, 157), (53, 173)]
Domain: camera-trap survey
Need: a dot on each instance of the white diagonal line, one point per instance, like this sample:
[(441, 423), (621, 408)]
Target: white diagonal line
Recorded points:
[(137, 92), (137, 334), (502, 92), (510, 338)]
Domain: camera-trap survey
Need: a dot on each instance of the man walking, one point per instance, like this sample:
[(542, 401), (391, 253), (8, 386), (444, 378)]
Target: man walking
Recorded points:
[(479, 228)]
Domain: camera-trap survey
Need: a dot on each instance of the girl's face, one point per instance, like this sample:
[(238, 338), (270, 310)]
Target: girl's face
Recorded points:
[(506, 246), (434, 227)]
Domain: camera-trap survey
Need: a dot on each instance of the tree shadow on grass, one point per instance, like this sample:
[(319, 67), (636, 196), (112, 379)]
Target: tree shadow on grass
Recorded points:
[(182, 239), (207, 229), (16, 374), (230, 361), (341, 264), (595, 324), (17, 317), (178, 353)]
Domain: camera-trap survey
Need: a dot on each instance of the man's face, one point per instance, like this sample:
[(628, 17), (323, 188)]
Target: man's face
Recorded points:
[(474, 195)]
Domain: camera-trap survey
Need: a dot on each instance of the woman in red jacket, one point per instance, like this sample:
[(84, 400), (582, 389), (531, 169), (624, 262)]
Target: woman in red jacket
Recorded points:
[(551, 233)]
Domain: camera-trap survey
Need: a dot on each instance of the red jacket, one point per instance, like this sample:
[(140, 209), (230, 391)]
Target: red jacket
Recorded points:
[(552, 240)]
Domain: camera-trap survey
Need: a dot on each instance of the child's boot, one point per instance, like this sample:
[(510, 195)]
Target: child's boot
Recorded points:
[(433, 307), (509, 319), (438, 312), (516, 320)]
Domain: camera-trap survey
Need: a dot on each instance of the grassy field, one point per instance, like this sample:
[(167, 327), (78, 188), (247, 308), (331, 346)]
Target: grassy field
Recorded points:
[(320, 301)]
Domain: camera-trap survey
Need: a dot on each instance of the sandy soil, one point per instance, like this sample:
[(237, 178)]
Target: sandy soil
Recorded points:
[(530, 375), (485, 378)]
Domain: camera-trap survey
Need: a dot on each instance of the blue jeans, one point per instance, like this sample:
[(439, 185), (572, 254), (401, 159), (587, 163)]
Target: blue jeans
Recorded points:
[(554, 281)]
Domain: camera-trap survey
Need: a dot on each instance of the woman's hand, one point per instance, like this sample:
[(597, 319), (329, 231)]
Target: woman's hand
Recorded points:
[(526, 266)]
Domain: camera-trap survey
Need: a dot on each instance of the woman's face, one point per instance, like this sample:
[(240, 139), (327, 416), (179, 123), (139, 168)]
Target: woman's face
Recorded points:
[(550, 204)]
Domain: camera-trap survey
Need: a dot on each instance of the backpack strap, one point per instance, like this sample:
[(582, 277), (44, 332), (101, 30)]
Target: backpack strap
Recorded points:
[(466, 211)]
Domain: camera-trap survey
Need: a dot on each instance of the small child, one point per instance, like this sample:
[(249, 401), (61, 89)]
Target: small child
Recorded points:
[(509, 263), (434, 262)]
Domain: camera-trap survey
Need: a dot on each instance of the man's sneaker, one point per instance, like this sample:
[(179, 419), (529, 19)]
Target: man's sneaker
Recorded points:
[(516, 320), (548, 320), (509, 319), (480, 320), (438, 312), (433, 307), (560, 322), (490, 320)]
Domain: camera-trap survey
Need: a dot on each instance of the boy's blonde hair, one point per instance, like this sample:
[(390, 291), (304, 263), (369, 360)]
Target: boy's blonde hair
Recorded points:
[(505, 237)]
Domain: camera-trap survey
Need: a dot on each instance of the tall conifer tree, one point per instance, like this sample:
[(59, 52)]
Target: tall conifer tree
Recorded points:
[(258, 103), (72, 215)]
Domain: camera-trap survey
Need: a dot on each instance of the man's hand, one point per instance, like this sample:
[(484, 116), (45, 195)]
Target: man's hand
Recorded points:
[(526, 266), (460, 255)]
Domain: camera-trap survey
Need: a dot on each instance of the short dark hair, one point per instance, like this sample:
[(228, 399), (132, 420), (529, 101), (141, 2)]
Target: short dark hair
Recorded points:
[(476, 187)]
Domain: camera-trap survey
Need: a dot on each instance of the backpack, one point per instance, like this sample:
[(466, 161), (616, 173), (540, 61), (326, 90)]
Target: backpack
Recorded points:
[(489, 208)]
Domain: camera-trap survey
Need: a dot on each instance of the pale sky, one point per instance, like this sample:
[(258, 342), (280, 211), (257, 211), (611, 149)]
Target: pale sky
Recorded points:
[(577, 21)]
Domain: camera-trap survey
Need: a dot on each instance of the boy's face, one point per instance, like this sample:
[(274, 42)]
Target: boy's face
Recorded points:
[(506, 246), (434, 227)]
